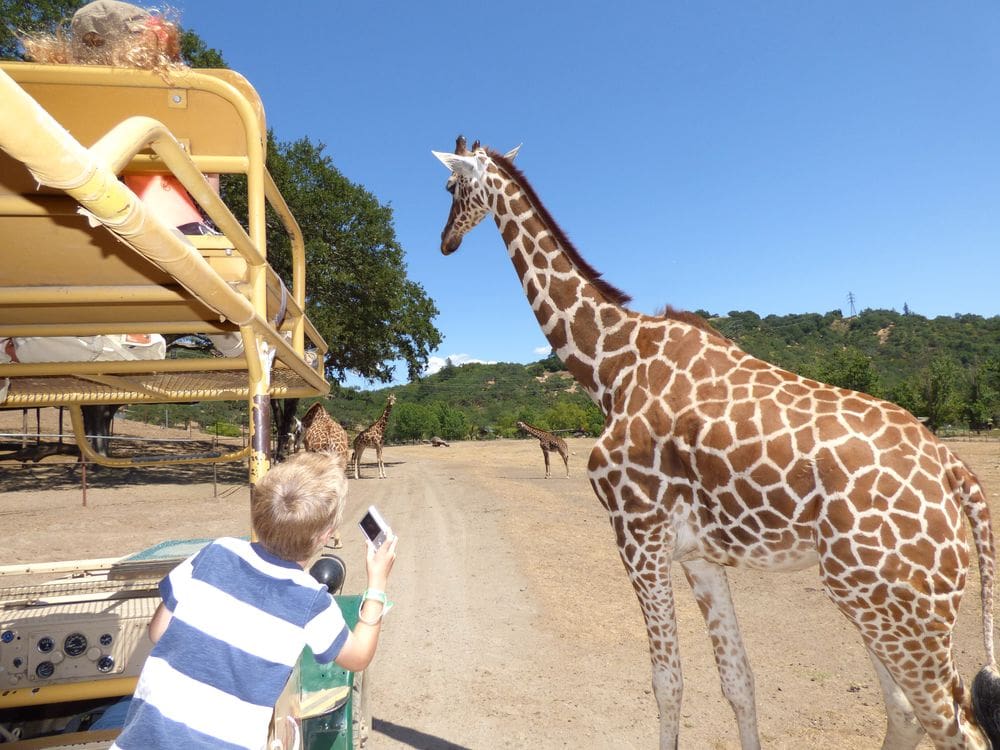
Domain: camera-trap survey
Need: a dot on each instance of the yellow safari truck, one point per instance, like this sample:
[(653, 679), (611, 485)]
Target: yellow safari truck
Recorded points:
[(82, 257)]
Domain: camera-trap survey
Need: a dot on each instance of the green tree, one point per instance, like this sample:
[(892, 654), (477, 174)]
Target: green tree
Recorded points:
[(564, 415), (906, 394), (21, 17), (413, 422), (454, 425), (358, 294), (982, 406), (850, 368), (941, 394)]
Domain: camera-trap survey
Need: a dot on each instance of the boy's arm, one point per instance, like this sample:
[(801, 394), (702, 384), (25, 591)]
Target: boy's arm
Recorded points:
[(359, 649), (161, 618)]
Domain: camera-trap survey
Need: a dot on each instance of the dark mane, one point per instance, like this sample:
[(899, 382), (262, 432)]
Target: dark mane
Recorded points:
[(612, 293), (692, 319)]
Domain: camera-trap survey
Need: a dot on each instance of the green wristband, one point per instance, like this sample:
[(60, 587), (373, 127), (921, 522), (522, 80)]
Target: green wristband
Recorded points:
[(378, 596)]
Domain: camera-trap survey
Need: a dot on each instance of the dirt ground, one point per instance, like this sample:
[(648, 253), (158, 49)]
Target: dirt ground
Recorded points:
[(515, 625)]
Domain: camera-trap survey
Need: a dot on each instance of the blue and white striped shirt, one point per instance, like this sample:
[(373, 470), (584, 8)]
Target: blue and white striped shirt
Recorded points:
[(241, 618)]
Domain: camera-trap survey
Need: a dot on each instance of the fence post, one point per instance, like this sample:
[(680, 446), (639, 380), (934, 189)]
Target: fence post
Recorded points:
[(83, 480)]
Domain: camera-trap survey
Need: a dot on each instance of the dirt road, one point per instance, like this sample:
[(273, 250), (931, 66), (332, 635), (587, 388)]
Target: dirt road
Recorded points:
[(514, 624)]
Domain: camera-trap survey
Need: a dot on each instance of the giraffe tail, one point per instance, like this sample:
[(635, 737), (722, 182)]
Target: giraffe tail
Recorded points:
[(986, 685)]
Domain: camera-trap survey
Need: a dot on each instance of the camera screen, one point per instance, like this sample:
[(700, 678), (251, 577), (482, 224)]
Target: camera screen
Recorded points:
[(370, 526)]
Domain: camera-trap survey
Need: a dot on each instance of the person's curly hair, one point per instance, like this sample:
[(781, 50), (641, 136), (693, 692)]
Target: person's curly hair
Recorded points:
[(108, 32)]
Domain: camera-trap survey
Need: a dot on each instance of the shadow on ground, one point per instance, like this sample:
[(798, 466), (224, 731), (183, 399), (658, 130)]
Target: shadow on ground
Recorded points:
[(413, 737), (54, 472)]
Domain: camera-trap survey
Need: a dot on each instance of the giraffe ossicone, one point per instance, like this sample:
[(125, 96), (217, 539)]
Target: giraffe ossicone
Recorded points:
[(712, 458)]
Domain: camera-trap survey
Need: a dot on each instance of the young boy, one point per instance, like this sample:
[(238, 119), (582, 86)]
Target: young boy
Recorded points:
[(236, 616)]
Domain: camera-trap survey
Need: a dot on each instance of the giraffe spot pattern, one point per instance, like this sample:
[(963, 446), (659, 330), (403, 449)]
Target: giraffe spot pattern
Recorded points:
[(712, 456)]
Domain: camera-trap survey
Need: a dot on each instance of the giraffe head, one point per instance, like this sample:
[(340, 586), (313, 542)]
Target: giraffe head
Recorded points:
[(467, 186)]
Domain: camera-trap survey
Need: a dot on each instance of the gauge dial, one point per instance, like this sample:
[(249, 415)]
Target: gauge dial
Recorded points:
[(45, 669), (105, 664), (106, 639), (45, 644), (75, 644)]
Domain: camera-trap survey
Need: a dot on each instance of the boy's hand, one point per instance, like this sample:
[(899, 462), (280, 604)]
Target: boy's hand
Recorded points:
[(380, 562)]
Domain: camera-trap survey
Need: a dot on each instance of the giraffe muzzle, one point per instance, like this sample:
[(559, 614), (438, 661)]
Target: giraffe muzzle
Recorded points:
[(449, 244)]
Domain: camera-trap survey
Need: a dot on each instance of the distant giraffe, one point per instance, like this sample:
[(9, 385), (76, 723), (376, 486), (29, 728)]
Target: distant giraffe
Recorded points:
[(321, 433), (549, 442), (373, 437)]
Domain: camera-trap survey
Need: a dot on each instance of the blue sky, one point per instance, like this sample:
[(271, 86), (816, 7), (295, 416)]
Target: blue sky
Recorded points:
[(769, 156)]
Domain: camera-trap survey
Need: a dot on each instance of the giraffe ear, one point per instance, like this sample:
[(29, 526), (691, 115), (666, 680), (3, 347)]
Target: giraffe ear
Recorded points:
[(513, 152), (466, 166)]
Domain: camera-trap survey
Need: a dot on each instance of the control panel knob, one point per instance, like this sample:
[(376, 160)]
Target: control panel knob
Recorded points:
[(56, 657), (93, 653)]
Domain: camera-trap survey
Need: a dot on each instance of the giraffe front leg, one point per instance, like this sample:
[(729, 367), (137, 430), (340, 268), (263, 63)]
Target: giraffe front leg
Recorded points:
[(711, 590), (545, 455), (378, 457), (668, 681)]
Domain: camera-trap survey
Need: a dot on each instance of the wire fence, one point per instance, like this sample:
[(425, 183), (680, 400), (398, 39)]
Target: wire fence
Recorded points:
[(87, 473)]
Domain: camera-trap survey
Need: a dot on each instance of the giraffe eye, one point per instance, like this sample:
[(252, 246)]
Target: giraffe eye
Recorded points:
[(450, 186)]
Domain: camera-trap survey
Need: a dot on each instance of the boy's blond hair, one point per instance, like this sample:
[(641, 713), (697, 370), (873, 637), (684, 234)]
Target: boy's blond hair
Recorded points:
[(296, 502)]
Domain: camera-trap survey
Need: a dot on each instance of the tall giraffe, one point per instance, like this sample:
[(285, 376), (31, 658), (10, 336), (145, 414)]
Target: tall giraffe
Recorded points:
[(549, 442), (373, 437), (712, 458)]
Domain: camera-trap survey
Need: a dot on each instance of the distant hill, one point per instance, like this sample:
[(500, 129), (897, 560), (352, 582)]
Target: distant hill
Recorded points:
[(898, 345), (944, 369)]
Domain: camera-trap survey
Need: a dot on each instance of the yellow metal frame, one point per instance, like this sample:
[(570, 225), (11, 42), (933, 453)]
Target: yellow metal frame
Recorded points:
[(82, 255)]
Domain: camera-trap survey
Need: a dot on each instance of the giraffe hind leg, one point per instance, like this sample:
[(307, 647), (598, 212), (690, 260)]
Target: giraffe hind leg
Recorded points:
[(711, 590), (381, 466), (918, 657), (902, 731), (358, 450), (545, 454)]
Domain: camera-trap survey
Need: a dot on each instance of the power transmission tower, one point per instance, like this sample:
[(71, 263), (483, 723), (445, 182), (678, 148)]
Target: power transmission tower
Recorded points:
[(850, 299)]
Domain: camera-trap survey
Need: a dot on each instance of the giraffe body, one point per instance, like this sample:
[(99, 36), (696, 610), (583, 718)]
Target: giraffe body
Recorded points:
[(318, 432), (549, 443), (713, 458), (373, 437), (321, 433)]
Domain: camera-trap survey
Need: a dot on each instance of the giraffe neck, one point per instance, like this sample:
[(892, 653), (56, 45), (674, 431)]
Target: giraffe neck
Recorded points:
[(572, 304), (540, 434), (379, 427)]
